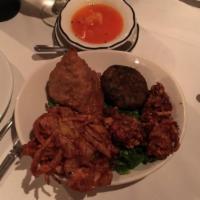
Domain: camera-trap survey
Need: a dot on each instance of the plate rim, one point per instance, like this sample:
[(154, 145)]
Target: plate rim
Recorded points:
[(7, 65)]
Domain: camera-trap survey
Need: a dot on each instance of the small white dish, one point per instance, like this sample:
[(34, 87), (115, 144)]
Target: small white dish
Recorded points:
[(128, 45), (121, 6), (32, 98), (6, 84)]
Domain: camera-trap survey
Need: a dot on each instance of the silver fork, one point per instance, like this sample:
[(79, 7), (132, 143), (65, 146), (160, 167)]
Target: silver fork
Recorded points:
[(13, 153), (5, 128), (10, 158), (49, 49)]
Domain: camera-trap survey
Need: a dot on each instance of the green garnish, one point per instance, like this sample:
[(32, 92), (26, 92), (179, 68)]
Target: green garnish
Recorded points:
[(131, 158), (51, 103), (134, 113)]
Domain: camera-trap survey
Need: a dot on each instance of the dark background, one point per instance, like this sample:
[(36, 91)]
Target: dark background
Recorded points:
[(8, 9)]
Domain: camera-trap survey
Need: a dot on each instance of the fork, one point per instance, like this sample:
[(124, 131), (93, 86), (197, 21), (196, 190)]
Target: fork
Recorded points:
[(5, 128), (49, 49), (10, 158), (13, 153)]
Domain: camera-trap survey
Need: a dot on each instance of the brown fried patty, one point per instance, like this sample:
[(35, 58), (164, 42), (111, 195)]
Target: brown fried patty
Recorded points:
[(124, 87)]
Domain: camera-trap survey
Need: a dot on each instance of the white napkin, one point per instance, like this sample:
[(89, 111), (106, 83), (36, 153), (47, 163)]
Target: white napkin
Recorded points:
[(19, 55)]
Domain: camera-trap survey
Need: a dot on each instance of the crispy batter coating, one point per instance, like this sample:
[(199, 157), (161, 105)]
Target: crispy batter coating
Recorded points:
[(73, 147), (125, 129), (72, 83), (75, 142), (161, 130), (163, 139)]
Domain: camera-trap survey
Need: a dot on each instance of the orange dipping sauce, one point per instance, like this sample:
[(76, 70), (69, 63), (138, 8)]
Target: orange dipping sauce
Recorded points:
[(97, 23)]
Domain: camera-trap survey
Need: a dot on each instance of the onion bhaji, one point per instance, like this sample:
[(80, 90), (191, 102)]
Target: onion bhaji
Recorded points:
[(162, 131), (72, 83), (68, 144), (163, 139), (125, 129)]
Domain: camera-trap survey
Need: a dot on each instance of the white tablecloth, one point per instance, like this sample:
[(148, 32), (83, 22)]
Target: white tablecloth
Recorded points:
[(169, 36)]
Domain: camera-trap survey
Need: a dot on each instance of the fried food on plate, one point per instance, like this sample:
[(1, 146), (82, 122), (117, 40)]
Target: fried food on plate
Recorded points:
[(125, 129), (72, 147), (72, 83), (161, 129), (77, 141), (124, 87)]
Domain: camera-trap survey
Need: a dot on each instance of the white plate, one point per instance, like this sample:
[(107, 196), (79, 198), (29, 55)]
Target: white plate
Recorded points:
[(32, 98), (6, 84)]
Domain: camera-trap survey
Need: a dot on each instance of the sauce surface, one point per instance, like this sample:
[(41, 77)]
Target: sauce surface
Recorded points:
[(97, 24)]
